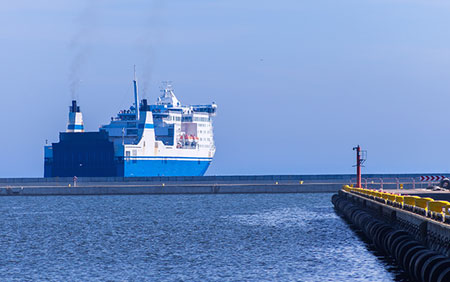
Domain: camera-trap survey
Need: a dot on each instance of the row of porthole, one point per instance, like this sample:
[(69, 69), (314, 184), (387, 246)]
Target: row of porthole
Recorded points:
[(418, 261)]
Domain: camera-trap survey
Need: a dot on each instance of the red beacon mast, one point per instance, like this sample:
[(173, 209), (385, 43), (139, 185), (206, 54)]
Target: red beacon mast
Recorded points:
[(360, 159)]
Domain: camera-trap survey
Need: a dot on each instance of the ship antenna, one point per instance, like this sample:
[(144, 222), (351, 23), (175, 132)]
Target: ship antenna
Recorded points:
[(136, 98)]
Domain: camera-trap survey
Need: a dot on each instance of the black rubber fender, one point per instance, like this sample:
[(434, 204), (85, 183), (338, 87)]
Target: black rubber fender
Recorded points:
[(388, 238), (342, 206), (400, 245), (368, 226), (376, 232), (381, 237), (396, 242), (372, 229), (349, 210), (428, 266), (409, 254), (360, 217), (364, 219), (403, 248), (375, 228), (355, 216), (444, 276), (438, 268), (334, 198), (352, 211), (417, 269), (412, 263), (394, 235)]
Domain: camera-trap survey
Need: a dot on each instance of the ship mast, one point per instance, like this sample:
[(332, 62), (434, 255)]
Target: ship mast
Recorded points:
[(136, 98)]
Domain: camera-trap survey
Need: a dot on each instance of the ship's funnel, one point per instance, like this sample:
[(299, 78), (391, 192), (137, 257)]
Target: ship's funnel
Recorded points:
[(75, 119)]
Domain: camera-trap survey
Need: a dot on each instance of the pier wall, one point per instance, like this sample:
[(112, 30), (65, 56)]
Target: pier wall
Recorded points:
[(326, 178), (418, 239), (168, 189)]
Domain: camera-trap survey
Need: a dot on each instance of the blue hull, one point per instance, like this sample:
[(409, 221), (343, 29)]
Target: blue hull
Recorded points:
[(138, 168), (91, 154)]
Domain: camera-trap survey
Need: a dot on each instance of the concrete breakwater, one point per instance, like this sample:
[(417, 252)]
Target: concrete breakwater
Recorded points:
[(417, 236), (185, 184), (164, 185)]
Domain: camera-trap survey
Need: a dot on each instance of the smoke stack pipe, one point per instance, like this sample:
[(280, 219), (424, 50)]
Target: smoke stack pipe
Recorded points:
[(74, 108)]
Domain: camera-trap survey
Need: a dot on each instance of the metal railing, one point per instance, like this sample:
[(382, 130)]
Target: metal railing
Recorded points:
[(393, 183)]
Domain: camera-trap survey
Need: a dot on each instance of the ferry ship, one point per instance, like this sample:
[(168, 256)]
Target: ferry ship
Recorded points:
[(163, 139)]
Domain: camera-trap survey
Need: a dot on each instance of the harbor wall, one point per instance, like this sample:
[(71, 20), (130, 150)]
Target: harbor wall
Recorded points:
[(417, 238), (190, 184), (168, 189), (338, 178)]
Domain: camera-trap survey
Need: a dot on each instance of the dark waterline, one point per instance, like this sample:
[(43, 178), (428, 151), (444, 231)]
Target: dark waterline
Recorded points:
[(263, 237)]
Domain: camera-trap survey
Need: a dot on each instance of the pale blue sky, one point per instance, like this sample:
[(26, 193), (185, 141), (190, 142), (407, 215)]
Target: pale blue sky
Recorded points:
[(298, 83)]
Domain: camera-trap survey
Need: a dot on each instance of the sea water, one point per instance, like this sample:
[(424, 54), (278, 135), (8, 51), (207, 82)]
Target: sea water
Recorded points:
[(239, 237)]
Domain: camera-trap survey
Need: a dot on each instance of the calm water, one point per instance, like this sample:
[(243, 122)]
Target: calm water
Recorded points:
[(267, 237)]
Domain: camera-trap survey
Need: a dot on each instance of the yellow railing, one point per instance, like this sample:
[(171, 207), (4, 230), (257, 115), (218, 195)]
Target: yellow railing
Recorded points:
[(427, 206)]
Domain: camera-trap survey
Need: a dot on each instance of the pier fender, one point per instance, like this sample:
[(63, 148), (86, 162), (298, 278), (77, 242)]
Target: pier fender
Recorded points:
[(367, 223), (334, 198), (412, 263), (343, 206), (353, 212), (428, 266), (420, 261), (409, 254), (390, 237), (393, 236), (403, 248), (394, 243), (444, 276), (363, 220), (438, 268), (381, 236), (371, 230)]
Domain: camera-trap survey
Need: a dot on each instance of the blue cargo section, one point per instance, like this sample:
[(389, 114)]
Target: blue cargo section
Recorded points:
[(83, 155), (165, 167)]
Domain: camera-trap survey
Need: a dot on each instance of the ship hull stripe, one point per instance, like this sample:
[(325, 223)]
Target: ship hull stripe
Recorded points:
[(75, 127), (137, 168), (147, 125)]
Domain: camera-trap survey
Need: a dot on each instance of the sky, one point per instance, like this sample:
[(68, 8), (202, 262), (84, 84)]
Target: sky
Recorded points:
[(298, 83)]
